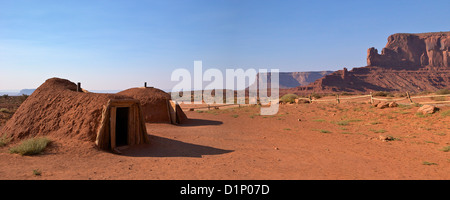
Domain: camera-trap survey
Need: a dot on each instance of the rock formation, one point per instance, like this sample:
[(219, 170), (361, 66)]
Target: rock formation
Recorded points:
[(409, 62), (295, 79), (413, 50)]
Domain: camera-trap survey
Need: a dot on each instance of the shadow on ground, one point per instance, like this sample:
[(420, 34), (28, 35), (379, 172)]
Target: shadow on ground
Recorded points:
[(200, 122), (165, 147)]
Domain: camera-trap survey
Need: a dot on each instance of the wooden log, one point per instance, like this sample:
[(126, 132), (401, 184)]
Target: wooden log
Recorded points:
[(142, 126), (138, 126), (131, 126), (113, 127), (172, 112), (102, 140)]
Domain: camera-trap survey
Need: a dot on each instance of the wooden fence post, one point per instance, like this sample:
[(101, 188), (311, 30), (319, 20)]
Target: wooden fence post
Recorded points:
[(310, 99), (409, 97), (337, 99), (371, 98)]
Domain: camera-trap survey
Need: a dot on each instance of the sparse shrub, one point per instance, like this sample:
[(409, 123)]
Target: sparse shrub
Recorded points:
[(253, 115), (428, 163), (5, 110), (404, 106), (235, 116), (322, 130), (438, 98), (443, 91), (400, 95), (31, 146), (288, 98), (5, 96), (23, 97), (342, 123), (4, 140), (446, 149), (416, 105), (445, 113), (316, 96), (347, 122), (378, 131), (37, 172), (382, 94), (421, 115)]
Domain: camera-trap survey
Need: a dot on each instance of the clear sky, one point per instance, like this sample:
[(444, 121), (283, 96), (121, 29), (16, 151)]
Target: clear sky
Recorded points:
[(118, 44)]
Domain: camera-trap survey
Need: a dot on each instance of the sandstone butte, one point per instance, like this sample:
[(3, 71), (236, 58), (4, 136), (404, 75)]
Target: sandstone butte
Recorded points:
[(409, 62)]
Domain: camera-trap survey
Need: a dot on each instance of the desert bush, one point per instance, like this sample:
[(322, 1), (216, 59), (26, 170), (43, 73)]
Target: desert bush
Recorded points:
[(5, 110), (23, 97), (342, 123), (383, 94), (288, 98), (446, 149), (378, 131), (400, 95), (428, 163), (421, 115), (316, 96), (37, 172), (31, 146), (438, 98), (443, 91), (4, 140), (445, 113)]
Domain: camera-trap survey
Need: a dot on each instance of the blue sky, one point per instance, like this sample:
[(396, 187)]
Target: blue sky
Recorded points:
[(118, 44)]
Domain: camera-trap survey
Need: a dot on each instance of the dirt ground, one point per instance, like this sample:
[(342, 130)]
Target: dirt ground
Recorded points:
[(302, 142)]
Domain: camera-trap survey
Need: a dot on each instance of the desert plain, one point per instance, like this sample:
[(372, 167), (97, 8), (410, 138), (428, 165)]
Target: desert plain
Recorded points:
[(318, 141)]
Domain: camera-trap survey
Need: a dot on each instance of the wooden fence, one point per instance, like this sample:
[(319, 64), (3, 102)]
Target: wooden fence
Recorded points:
[(338, 100), (209, 107), (372, 99)]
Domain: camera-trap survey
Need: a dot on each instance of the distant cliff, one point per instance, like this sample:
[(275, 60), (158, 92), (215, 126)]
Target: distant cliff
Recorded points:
[(26, 91), (409, 62), (413, 50), (295, 79)]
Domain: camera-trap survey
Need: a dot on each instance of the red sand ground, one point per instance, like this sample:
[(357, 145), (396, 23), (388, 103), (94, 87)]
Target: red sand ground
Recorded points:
[(239, 144)]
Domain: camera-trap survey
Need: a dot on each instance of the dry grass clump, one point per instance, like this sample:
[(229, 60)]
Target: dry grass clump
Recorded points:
[(4, 140), (31, 146), (383, 94), (443, 91)]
